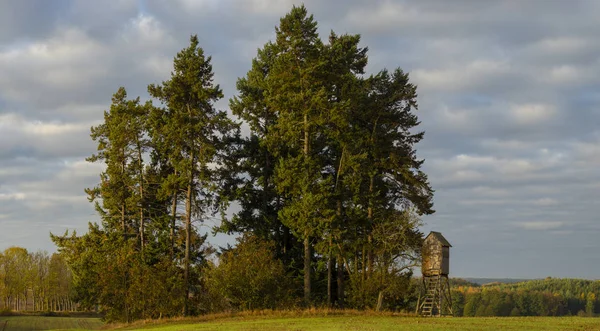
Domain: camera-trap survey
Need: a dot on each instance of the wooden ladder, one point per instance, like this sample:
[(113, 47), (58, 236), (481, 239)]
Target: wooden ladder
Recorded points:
[(432, 297)]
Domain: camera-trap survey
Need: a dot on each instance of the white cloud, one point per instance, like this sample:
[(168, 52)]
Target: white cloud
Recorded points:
[(12, 196), (565, 74), (43, 139), (197, 5), (545, 202), (38, 128), (506, 145), (64, 62), (267, 7), (145, 31), (461, 76), (587, 153), (388, 15), (569, 45), (540, 225), (532, 113)]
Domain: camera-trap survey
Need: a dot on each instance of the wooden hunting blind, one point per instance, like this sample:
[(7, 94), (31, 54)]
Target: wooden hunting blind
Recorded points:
[(435, 298), (436, 255)]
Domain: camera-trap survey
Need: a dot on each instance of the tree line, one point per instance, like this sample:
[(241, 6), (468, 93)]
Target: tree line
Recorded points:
[(35, 281), (327, 186), (549, 297)]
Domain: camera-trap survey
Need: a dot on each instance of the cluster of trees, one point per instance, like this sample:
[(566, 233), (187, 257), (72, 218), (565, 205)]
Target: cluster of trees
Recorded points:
[(35, 281), (549, 297), (327, 181), (329, 172)]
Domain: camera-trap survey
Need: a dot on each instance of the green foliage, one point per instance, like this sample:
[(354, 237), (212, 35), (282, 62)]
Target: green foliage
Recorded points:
[(395, 245), (330, 157), (195, 137), (329, 184), (34, 281), (111, 274), (549, 297), (249, 276), (590, 304)]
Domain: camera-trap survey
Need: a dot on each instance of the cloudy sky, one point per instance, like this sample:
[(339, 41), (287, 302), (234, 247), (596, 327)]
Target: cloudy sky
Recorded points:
[(508, 90)]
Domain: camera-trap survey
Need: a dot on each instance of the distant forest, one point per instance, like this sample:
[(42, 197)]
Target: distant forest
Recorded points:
[(547, 297), (35, 282)]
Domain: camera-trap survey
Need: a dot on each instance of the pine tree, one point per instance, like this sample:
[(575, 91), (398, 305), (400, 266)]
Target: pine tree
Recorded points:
[(337, 149), (197, 135), (298, 95), (121, 145)]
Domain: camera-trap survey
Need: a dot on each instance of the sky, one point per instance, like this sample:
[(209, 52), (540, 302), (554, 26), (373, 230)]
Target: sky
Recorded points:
[(509, 96)]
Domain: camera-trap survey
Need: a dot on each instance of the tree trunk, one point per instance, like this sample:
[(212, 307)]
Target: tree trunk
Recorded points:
[(307, 269), (286, 242), (380, 301), (188, 239), (370, 218), (123, 225), (340, 281), (307, 248), (141, 170), (329, 276), (173, 221)]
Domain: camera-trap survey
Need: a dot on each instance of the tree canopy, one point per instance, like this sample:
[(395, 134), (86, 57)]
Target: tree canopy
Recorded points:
[(328, 177)]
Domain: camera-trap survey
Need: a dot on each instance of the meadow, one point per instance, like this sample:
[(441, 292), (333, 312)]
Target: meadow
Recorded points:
[(300, 321), (369, 322), (32, 323)]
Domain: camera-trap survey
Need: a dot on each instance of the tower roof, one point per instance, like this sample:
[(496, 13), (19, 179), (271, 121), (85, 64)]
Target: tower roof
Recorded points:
[(438, 236)]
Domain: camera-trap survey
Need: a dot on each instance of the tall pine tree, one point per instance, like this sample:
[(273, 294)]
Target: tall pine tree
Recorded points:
[(197, 135)]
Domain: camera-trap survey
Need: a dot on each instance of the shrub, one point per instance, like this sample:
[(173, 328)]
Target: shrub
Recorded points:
[(249, 277)]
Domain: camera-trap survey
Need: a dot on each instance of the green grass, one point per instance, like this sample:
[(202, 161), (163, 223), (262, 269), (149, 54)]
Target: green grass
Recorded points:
[(299, 321), (360, 323), (32, 323)]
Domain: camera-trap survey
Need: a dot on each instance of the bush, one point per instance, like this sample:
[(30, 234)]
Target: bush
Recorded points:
[(249, 277), (396, 290), (6, 312), (515, 312)]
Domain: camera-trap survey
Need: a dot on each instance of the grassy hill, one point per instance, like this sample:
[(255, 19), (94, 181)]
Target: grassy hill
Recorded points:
[(369, 322)]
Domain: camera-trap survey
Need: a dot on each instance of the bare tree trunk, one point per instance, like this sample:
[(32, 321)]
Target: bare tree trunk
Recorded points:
[(380, 301), (307, 269), (141, 190), (188, 239), (307, 248), (123, 225), (340, 282), (329, 275), (370, 218), (173, 219)]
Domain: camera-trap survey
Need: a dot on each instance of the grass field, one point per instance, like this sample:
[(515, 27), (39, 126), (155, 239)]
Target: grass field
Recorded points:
[(360, 323), (335, 322), (32, 323)]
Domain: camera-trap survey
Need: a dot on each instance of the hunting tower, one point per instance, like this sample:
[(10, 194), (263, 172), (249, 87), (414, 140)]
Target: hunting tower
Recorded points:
[(435, 298)]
